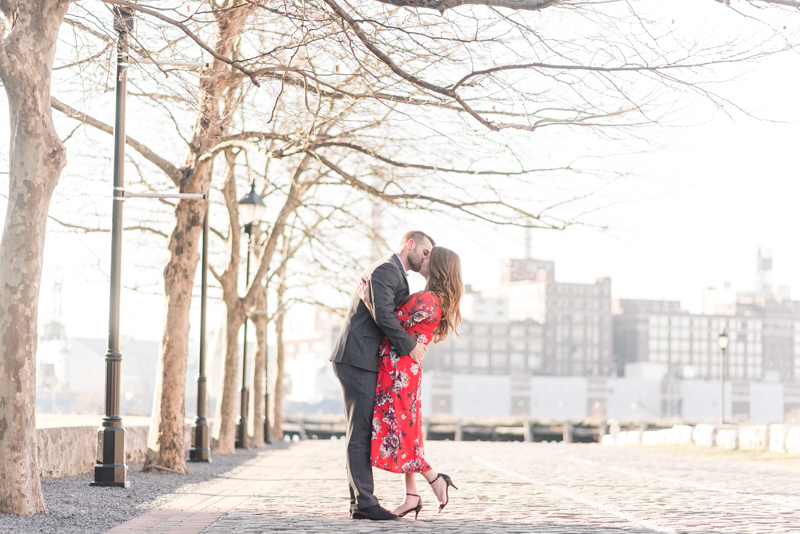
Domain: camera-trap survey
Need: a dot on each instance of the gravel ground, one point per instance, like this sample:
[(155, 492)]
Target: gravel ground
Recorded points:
[(75, 507)]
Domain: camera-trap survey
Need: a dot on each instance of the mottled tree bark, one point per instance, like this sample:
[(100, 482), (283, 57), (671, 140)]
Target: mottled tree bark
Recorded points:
[(36, 160), (166, 440)]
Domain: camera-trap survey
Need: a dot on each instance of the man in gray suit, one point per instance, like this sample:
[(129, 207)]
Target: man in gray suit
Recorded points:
[(355, 360)]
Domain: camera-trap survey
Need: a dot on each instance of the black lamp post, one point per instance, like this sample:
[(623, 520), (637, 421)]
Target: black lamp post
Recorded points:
[(201, 450), (723, 344), (110, 469), (251, 207)]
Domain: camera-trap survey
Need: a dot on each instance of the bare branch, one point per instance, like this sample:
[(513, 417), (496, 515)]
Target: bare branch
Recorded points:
[(100, 35), (189, 33), (790, 3), (168, 168), (90, 230), (442, 5), (459, 206), (382, 56)]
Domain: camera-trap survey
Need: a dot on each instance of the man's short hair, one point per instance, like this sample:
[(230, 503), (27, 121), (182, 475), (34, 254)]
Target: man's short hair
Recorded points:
[(417, 236)]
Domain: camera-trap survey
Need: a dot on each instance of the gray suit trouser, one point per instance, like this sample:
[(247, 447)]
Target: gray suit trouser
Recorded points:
[(358, 386)]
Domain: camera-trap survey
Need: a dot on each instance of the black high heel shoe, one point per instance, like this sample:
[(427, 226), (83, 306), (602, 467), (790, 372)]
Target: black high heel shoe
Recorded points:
[(417, 509), (448, 482)]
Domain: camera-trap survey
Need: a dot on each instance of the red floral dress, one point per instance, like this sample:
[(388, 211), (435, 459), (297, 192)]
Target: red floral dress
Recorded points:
[(397, 419)]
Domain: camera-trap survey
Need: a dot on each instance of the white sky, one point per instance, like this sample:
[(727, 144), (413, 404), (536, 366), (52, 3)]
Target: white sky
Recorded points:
[(695, 217)]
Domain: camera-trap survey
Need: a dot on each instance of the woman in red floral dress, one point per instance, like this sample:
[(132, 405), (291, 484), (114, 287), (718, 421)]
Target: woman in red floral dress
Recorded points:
[(397, 420)]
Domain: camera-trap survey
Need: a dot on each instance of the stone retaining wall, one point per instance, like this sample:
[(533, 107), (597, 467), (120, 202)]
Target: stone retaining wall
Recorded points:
[(773, 438), (70, 451)]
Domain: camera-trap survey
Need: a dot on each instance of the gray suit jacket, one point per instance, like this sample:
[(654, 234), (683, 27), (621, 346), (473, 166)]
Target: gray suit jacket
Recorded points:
[(361, 334)]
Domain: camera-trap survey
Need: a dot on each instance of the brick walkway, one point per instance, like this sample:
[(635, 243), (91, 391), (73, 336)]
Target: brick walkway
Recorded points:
[(504, 488)]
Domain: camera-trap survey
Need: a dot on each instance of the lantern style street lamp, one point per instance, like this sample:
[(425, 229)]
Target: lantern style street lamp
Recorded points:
[(723, 344), (251, 208)]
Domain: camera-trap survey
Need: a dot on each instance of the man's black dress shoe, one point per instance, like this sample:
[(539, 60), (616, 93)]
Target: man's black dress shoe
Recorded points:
[(374, 513)]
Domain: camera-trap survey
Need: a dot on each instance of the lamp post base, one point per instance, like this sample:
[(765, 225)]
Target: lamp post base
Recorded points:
[(200, 451), (242, 437), (111, 470), (126, 484), (267, 437)]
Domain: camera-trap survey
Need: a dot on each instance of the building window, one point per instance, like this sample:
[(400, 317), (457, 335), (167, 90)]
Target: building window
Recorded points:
[(499, 344), (499, 361), (480, 360), (517, 361), (535, 345), (480, 344), (461, 359), (534, 362)]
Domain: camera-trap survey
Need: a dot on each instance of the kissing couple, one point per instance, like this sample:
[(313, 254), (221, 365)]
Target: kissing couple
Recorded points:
[(378, 360)]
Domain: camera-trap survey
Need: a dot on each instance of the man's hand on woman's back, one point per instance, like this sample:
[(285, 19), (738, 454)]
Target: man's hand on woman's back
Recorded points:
[(419, 352)]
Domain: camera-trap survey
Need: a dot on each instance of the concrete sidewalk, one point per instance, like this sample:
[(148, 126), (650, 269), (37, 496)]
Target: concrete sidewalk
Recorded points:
[(504, 488)]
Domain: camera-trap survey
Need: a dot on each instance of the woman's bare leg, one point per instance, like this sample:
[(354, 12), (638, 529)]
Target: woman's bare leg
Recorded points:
[(409, 501), (439, 487), (411, 484)]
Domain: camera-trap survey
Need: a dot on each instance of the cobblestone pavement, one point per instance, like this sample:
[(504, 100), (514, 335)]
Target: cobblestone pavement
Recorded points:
[(503, 488)]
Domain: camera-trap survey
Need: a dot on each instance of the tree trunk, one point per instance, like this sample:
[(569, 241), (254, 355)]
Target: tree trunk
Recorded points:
[(260, 322), (166, 443), (277, 417), (225, 416), (36, 160), (225, 413)]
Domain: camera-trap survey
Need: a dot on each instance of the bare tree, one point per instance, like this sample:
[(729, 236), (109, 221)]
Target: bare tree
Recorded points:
[(217, 100), (413, 108), (36, 160)]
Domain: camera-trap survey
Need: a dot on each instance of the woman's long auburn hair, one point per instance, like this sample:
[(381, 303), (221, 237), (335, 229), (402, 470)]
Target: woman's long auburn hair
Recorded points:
[(445, 281)]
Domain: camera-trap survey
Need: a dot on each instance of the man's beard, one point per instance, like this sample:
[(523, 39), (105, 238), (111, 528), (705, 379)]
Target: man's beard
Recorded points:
[(415, 261)]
